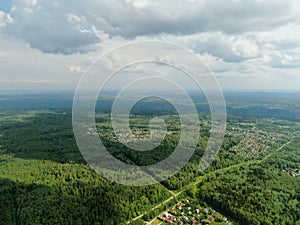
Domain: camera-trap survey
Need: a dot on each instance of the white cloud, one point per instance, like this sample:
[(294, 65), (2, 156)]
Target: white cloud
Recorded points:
[(215, 64), (138, 3), (283, 60), (230, 48), (24, 67), (75, 19), (33, 81), (5, 19), (76, 69), (244, 48), (66, 26), (248, 41), (48, 27), (2, 19), (30, 3)]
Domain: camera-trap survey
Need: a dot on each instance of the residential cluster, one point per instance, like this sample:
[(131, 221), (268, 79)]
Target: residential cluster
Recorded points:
[(253, 139), (186, 212), (141, 135)]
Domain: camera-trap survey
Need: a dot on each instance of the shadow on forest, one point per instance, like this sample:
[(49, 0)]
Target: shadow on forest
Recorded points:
[(47, 136), (70, 203)]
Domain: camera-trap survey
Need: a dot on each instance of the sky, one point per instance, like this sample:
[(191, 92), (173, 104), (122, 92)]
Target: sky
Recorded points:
[(249, 44), (6, 5)]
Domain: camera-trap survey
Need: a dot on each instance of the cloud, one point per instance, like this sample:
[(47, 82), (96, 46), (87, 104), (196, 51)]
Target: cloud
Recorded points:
[(76, 69), (33, 81), (283, 60), (283, 38), (5, 19), (49, 29), (25, 67), (2, 19), (76, 26), (187, 17), (280, 47), (246, 43), (215, 64), (229, 48)]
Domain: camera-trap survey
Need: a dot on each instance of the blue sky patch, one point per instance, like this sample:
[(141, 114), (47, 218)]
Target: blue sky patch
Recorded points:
[(5, 5)]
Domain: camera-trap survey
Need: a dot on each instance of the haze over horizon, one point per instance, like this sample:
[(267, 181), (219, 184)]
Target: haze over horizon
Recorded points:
[(249, 45)]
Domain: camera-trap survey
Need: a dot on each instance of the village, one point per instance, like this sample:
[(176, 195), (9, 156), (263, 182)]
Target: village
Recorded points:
[(187, 212), (136, 135), (253, 140)]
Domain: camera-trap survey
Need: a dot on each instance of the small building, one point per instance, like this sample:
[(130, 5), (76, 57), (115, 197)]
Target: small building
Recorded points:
[(160, 218), (211, 219), (168, 221), (180, 222), (171, 211), (216, 214), (166, 214), (185, 218), (179, 207), (173, 218)]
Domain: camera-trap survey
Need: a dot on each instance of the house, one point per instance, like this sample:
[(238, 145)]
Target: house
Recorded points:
[(185, 218), (216, 214), (180, 222), (211, 219), (172, 211), (193, 221), (179, 207), (173, 218), (168, 221)]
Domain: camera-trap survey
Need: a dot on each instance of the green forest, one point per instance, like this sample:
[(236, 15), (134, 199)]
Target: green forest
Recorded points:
[(45, 180)]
